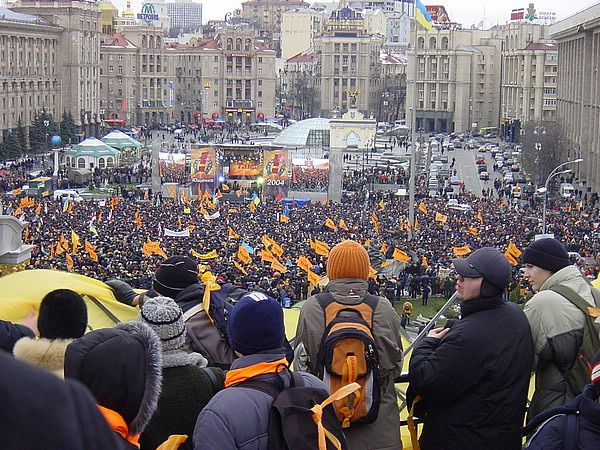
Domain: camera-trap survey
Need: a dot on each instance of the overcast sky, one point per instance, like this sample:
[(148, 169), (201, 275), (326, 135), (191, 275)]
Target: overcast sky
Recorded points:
[(467, 12)]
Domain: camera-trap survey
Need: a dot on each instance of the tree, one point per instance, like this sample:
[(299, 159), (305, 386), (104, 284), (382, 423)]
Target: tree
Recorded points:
[(68, 129), (11, 148), (544, 145), (21, 136), (42, 128)]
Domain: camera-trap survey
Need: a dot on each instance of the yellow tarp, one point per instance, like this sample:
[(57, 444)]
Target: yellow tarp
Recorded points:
[(21, 291)]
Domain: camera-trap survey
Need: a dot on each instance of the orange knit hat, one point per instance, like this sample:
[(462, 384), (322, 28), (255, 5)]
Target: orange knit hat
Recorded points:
[(348, 259)]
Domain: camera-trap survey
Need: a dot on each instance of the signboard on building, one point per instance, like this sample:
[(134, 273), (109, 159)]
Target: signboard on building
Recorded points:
[(438, 13), (148, 13), (171, 88)]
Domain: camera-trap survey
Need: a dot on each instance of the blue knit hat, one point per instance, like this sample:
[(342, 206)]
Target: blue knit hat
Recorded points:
[(256, 324)]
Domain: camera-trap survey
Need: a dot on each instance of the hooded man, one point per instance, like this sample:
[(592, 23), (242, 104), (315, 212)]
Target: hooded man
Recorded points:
[(469, 381), (556, 323)]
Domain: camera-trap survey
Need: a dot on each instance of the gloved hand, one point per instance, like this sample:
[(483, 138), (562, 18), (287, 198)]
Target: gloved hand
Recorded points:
[(123, 292)]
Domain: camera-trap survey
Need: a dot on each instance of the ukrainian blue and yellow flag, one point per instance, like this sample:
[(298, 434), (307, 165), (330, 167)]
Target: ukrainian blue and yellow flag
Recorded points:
[(422, 16)]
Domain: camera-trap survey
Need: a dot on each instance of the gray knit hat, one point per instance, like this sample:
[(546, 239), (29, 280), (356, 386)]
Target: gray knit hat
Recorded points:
[(165, 317)]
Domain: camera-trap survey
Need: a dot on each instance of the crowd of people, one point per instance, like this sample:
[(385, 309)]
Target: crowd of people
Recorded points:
[(309, 179)]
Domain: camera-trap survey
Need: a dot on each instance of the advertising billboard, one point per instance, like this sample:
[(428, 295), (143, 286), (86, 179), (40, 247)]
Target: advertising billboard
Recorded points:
[(203, 165), (243, 170), (276, 173)]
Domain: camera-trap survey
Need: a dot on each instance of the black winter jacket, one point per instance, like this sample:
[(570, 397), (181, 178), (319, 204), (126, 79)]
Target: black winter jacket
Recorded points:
[(552, 424), (474, 380), (10, 333)]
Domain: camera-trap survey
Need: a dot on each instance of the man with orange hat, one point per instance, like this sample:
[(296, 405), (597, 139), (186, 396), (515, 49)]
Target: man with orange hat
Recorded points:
[(348, 271)]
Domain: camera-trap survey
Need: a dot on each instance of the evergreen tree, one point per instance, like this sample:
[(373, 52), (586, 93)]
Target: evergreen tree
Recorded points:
[(40, 133), (68, 129), (12, 149), (22, 136)]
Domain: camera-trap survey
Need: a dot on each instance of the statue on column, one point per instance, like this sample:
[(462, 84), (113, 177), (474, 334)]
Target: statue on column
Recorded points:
[(352, 96)]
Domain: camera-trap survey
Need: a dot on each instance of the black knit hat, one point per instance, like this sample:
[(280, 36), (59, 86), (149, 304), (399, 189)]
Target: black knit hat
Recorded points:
[(63, 315), (548, 254), (174, 275)]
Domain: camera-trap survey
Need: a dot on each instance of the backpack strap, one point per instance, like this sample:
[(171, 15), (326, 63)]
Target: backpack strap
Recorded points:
[(573, 297), (572, 432), (596, 295), (192, 311), (262, 386), (325, 299)]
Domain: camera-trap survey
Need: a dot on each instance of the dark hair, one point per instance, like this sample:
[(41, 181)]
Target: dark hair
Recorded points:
[(63, 315)]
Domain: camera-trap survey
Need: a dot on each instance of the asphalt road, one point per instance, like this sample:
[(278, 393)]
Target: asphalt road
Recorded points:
[(466, 169)]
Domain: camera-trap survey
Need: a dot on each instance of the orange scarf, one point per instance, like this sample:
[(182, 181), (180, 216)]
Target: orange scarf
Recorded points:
[(117, 423), (238, 375)]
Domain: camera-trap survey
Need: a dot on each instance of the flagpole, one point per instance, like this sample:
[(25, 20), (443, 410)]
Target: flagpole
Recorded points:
[(411, 179)]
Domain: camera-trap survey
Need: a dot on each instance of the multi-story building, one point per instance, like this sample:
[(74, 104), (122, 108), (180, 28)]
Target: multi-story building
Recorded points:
[(29, 69), (298, 29), (346, 58), (184, 17), (398, 14), (267, 16), (138, 82), (529, 72), (578, 94), (457, 74), (78, 56), (297, 87)]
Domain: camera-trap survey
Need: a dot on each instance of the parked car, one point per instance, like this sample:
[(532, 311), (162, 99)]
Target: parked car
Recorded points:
[(454, 180), (484, 176)]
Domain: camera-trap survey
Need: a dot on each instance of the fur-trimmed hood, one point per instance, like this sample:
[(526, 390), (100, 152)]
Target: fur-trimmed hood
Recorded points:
[(47, 354), (121, 366)]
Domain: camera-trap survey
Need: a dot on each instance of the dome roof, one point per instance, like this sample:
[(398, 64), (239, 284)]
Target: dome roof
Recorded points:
[(306, 133)]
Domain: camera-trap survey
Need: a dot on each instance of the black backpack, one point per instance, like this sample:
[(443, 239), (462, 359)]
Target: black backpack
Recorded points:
[(291, 423), (578, 375)]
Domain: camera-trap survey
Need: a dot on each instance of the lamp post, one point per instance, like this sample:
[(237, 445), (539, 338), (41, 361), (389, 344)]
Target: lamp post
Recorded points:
[(554, 173)]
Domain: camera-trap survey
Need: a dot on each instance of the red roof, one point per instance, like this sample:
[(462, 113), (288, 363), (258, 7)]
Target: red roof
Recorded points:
[(119, 41), (301, 58), (541, 46)]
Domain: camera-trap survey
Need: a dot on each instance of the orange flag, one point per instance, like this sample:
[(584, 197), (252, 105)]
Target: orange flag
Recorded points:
[(266, 255), (479, 216), (38, 210), (511, 258), (240, 268), (330, 224), (383, 248), (423, 208), (232, 234), (225, 188), (69, 260), (461, 251), (441, 217), (283, 218), (313, 278), (304, 263), (172, 192), (343, 225), (321, 248), (381, 205), (252, 206), (243, 255), (276, 249), (401, 256), (138, 220), (276, 265), (473, 231)]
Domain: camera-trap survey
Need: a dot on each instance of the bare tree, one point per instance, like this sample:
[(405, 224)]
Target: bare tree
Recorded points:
[(544, 147)]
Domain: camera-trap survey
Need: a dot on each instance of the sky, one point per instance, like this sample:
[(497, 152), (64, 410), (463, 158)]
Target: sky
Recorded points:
[(467, 12)]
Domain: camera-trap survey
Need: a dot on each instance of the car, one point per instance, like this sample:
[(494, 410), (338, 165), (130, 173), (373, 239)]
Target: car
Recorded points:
[(514, 168), (484, 176), (450, 146), (457, 143), (482, 149), (480, 159), (519, 177), (508, 178), (481, 168), (67, 194), (454, 180)]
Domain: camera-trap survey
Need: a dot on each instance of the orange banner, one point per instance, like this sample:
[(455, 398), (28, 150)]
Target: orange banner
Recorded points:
[(203, 164), (245, 169)]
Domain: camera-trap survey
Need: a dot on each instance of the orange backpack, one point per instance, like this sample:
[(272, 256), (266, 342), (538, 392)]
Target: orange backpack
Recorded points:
[(348, 354)]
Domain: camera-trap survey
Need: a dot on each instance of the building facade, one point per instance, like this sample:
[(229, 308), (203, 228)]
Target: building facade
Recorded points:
[(184, 17), (457, 74), (78, 57), (529, 74), (347, 60), (298, 30), (138, 80), (267, 15), (29, 69), (578, 91)]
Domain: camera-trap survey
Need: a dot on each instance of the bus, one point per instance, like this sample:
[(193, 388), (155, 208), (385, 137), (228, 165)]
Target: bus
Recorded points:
[(489, 130)]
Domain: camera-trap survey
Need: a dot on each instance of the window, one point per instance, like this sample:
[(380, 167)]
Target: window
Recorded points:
[(215, 93), (260, 93), (260, 71), (120, 70), (260, 59), (101, 163), (215, 103), (260, 82), (216, 59), (81, 163), (110, 69)]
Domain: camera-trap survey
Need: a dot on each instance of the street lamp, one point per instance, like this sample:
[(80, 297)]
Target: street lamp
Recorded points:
[(554, 173)]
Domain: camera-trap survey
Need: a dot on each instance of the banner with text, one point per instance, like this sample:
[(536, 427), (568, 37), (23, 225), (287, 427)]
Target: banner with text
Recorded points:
[(240, 170)]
